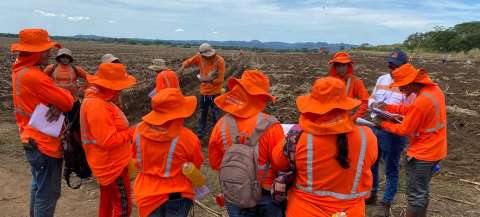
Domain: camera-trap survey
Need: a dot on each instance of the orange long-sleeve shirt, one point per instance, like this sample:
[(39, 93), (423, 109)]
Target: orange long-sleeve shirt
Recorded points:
[(158, 176), (272, 137), (322, 187), (65, 76), (30, 88), (425, 122), (106, 137), (166, 79), (206, 66)]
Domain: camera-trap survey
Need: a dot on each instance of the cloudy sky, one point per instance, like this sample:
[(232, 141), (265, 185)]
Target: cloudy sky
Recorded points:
[(349, 21)]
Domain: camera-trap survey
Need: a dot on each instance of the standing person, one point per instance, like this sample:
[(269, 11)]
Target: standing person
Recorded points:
[(31, 87), (342, 68), (390, 146), (162, 145), (106, 138), (244, 104), (425, 122), (211, 76), (166, 78), (333, 156)]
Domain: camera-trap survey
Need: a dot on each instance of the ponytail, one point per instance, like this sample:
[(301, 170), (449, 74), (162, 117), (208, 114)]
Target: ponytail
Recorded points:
[(342, 151)]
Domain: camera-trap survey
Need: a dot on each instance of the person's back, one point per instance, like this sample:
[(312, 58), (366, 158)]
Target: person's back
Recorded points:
[(161, 146), (333, 156)]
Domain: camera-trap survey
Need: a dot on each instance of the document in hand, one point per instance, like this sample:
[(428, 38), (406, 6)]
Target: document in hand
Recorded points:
[(38, 120), (387, 115), (361, 121)]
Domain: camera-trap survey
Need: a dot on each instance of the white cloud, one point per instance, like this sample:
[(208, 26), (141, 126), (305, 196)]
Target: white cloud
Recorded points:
[(214, 32), (179, 30), (112, 21), (44, 13), (77, 19)]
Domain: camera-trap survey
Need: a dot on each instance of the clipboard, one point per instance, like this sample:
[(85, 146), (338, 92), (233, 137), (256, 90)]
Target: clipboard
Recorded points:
[(387, 115)]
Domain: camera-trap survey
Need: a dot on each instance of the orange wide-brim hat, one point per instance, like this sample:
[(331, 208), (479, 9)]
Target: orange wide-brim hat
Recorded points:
[(254, 82), (33, 40), (407, 74), (113, 76), (340, 57), (170, 104), (327, 93)]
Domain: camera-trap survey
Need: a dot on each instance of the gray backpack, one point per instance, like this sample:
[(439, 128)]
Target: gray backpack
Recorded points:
[(239, 168)]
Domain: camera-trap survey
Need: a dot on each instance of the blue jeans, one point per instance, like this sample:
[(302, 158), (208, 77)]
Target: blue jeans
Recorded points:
[(46, 182), (265, 208), (205, 103), (173, 208), (390, 146)]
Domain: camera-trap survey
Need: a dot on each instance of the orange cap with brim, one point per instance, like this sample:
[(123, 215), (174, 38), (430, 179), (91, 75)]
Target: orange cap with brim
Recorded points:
[(254, 82), (170, 104), (33, 40), (241, 104), (327, 93), (340, 57), (407, 74), (112, 76)]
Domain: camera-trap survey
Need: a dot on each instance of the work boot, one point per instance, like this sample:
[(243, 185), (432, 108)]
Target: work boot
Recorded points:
[(371, 200), (387, 209)]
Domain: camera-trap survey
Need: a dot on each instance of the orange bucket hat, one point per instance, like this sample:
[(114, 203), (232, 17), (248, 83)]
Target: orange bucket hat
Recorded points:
[(33, 40), (254, 82), (340, 57), (327, 93), (247, 96), (326, 109), (170, 104), (112, 76), (407, 74)]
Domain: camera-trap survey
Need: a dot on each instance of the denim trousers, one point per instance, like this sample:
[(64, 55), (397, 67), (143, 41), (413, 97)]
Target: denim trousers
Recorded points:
[(419, 173), (390, 147), (265, 208), (173, 208), (205, 104), (46, 182)]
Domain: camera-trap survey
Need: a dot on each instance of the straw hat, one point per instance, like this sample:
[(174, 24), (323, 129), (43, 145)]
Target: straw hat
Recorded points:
[(108, 58), (407, 74), (158, 65), (247, 96), (206, 50), (326, 94), (340, 57), (64, 51), (33, 40), (112, 76), (170, 104)]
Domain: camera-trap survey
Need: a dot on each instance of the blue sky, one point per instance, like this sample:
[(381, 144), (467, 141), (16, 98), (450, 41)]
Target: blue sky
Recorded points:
[(348, 21)]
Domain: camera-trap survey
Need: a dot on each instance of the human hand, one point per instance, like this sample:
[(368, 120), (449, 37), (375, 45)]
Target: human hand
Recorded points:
[(379, 105), (53, 114)]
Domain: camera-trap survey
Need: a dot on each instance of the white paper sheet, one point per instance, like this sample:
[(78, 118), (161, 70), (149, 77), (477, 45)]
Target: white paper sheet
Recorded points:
[(286, 128), (361, 121), (38, 120)]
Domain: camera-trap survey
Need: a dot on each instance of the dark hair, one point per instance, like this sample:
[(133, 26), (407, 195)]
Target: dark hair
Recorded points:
[(342, 151)]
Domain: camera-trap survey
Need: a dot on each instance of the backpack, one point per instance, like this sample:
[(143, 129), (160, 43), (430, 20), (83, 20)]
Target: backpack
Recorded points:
[(73, 153), (238, 175), (285, 180)]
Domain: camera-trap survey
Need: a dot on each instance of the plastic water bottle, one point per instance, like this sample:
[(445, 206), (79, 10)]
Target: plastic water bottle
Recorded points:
[(197, 179)]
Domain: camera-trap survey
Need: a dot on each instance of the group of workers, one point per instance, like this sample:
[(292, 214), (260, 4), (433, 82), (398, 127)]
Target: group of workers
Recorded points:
[(336, 160)]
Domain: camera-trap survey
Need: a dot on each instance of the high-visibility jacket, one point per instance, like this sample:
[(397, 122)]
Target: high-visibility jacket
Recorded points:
[(106, 137), (206, 66), (322, 187), (425, 122), (355, 89), (166, 79), (66, 76), (31, 87), (382, 92), (159, 153), (220, 141)]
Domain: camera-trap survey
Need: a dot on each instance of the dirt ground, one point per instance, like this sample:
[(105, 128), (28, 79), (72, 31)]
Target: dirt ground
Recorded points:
[(291, 75)]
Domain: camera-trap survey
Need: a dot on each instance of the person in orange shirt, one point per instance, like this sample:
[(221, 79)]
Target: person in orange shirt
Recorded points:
[(166, 78), (244, 104), (211, 75), (333, 156), (31, 87), (425, 122), (106, 138), (342, 68), (162, 145)]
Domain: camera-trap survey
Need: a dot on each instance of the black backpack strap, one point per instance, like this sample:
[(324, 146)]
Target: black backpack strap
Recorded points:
[(291, 141)]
